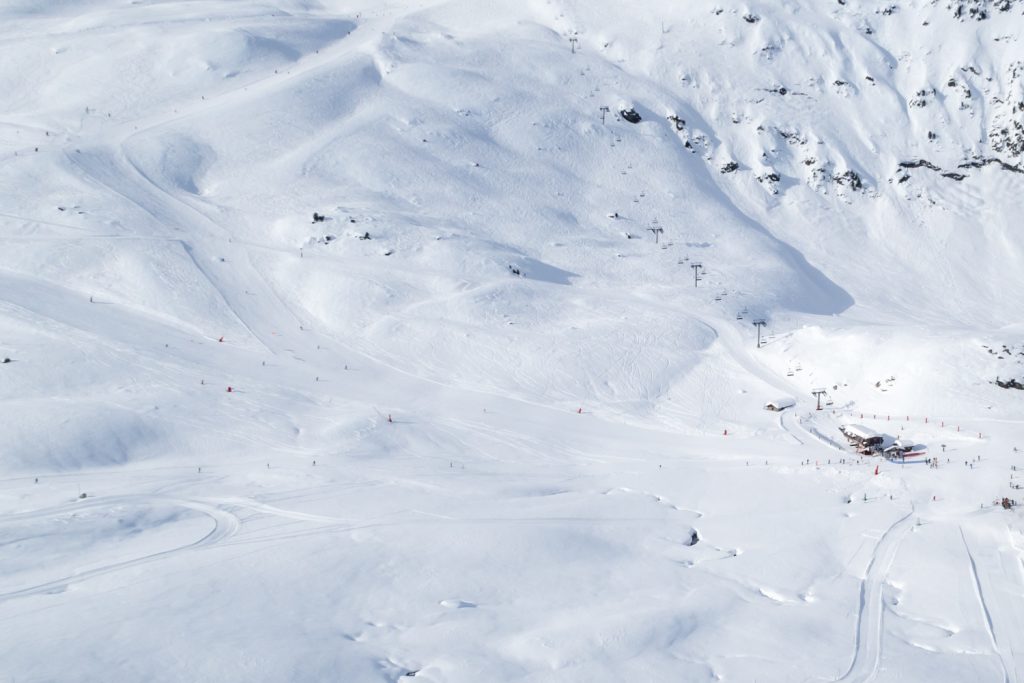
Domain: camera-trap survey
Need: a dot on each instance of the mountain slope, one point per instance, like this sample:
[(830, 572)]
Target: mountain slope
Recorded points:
[(390, 315)]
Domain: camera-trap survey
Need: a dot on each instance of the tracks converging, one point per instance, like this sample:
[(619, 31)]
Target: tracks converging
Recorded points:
[(868, 645)]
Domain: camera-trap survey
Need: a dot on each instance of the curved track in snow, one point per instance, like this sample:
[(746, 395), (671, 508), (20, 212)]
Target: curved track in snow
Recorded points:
[(868, 649), (225, 525), (791, 423)]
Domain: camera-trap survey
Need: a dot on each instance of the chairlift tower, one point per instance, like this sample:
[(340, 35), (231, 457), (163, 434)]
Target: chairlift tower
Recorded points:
[(655, 228), (818, 393), (696, 272), (759, 323), (604, 112)]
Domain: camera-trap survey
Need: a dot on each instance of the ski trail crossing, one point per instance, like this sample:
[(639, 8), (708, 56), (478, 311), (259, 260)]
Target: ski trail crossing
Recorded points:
[(124, 178)]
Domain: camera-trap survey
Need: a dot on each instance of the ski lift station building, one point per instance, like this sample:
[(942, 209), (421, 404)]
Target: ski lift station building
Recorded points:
[(779, 404), (859, 435)]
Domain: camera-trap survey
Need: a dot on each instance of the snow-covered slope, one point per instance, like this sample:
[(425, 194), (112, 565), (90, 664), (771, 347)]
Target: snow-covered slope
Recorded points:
[(470, 423)]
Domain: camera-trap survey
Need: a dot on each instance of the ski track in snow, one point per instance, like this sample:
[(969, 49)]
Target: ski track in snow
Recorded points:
[(868, 644), (785, 427), (791, 423), (225, 525), (166, 208), (996, 575)]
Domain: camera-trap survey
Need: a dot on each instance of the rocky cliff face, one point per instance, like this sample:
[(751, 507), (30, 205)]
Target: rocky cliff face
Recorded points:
[(980, 10)]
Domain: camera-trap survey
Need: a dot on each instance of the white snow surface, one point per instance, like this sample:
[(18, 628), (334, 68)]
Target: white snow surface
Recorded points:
[(506, 437)]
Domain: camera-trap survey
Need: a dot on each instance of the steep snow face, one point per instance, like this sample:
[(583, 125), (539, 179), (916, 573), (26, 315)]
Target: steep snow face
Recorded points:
[(432, 322), (867, 125)]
